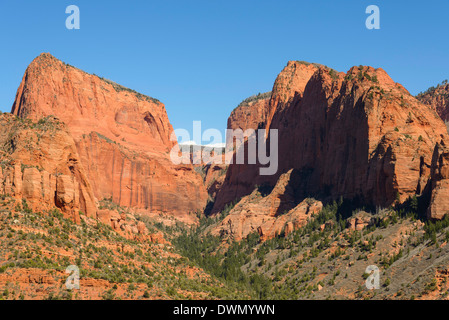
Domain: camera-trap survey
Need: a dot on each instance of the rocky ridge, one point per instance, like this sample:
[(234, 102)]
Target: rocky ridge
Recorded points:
[(438, 99)]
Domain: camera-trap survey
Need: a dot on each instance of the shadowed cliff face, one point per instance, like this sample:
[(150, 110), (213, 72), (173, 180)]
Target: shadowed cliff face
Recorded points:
[(439, 200), (122, 137), (438, 99), (359, 135)]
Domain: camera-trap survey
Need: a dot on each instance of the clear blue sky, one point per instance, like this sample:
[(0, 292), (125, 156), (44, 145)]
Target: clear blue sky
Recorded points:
[(201, 58)]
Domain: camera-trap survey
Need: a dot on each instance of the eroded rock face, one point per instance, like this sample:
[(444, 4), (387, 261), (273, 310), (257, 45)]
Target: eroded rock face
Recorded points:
[(359, 135), (140, 180), (289, 84), (250, 114), (128, 226), (438, 99), (122, 137), (439, 202), (214, 176), (40, 164), (270, 215)]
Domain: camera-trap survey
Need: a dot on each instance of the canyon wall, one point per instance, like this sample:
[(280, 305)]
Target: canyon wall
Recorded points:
[(357, 135), (122, 137), (438, 99), (40, 164)]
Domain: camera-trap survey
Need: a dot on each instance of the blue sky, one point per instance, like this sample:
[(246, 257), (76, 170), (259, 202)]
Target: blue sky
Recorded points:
[(202, 58)]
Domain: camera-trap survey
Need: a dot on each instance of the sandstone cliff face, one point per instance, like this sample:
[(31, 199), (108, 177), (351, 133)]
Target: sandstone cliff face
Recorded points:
[(40, 163), (359, 135), (268, 215), (212, 168), (122, 137), (289, 85), (438, 99), (378, 139), (251, 113), (439, 202), (214, 176), (138, 180)]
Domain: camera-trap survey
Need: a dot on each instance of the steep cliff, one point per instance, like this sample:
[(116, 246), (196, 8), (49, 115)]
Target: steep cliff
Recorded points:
[(40, 164), (439, 200), (258, 114), (438, 99), (251, 113), (358, 135), (122, 137)]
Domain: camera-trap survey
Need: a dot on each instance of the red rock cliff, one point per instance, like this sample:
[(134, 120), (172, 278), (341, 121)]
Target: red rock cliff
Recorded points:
[(123, 137), (359, 135), (438, 99), (40, 164), (439, 200)]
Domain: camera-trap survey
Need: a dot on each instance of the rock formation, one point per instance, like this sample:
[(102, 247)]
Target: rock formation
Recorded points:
[(40, 164), (439, 202), (269, 215), (289, 84), (358, 135), (438, 99), (257, 113), (122, 137), (251, 113)]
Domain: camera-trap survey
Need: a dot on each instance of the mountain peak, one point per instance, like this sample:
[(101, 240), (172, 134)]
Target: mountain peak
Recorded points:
[(119, 132)]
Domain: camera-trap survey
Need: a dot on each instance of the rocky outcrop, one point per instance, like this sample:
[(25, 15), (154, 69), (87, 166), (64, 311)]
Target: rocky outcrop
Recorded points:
[(438, 99), (439, 202), (251, 113), (122, 137), (40, 164), (360, 221), (128, 226), (357, 136), (291, 220), (269, 215)]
